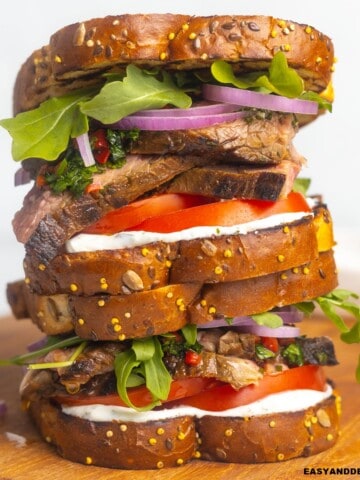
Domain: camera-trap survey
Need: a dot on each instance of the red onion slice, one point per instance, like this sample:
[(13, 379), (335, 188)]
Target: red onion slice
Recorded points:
[(157, 123), (248, 98), (198, 109), (288, 315), (286, 331), (32, 347), (83, 143), (21, 177)]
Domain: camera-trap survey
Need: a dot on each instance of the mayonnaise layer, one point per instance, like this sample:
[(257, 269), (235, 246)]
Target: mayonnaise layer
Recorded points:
[(91, 242), (288, 401)]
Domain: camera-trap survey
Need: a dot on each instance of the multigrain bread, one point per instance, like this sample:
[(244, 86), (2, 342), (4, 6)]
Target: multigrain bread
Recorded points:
[(154, 312), (175, 441), (208, 260), (79, 53)]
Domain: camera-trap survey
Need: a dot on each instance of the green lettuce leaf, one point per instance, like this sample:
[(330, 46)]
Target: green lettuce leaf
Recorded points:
[(45, 132), (137, 91), (280, 79)]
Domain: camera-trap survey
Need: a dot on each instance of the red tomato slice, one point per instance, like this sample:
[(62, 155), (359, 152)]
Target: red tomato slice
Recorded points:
[(174, 212), (223, 396), (140, 396), (212, 395), (135, 213)]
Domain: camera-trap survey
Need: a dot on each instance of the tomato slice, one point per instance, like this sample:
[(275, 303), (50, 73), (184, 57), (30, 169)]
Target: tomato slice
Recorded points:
[(140, 396), (224, 396), (135, 213), (174, 212), (224, 213), (213, 395)]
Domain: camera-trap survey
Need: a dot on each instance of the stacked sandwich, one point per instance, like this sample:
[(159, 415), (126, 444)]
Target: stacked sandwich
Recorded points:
[(170, 251)]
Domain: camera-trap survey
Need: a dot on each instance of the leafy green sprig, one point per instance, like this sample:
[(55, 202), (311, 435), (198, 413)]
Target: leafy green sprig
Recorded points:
[(143, 364), (338, 299), (51, 343)]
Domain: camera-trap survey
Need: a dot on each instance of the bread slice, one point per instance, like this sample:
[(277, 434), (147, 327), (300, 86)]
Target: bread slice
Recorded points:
[(256, 295), (169, 308), (78, 54), (175, 441), (203, 260)]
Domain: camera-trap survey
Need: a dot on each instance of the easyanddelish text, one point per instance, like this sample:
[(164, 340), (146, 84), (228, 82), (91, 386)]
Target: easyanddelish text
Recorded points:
[(332, 471)]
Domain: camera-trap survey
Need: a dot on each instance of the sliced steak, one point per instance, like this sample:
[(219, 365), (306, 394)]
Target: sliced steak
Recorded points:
[(229, 181), (260, 140), (47, 220)]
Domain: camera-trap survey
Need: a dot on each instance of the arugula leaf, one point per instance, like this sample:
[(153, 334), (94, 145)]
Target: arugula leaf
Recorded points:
[(190, 333), (125, 363), (45, 131), (223, 73), (352, 335), (62, 364), (306, 308), (301, 185), (52, 343), (137, 91), (158, 379), (280, 79), (144, 348), (315, 97), (329, 303), (268, 319), (142, 361)]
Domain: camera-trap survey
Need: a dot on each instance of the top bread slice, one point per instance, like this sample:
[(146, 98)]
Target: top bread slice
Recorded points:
[(78, 54)]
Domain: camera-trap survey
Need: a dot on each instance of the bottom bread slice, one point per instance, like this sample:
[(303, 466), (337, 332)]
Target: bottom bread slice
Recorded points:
[(173, 440)]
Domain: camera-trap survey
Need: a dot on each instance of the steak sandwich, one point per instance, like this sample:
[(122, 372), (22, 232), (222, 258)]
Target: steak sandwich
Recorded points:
[(169, 252)]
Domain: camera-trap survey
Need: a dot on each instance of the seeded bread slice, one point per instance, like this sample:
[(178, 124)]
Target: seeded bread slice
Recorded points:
[(256, 295), (220, 258), (169, 308), (175, 441), (79, 53)]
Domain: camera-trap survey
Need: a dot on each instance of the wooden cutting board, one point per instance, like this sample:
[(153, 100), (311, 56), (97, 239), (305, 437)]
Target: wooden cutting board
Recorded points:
[(27, 457)]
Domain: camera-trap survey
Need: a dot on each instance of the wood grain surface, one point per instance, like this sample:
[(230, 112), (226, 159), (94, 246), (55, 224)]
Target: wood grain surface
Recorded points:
[(32, 459)]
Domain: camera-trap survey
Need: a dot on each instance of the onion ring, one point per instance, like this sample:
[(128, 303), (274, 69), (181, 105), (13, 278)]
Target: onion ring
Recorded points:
[(249, 98)]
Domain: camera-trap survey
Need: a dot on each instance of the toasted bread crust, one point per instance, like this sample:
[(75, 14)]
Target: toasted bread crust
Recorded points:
[(78, 54), (173, 442)]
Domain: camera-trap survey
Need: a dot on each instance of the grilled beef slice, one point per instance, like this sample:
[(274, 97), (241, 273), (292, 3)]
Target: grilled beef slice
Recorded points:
[(47, 220), (240, 181), (255, 139)]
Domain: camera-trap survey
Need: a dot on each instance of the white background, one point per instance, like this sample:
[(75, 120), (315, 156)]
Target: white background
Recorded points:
[(331, 144)]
